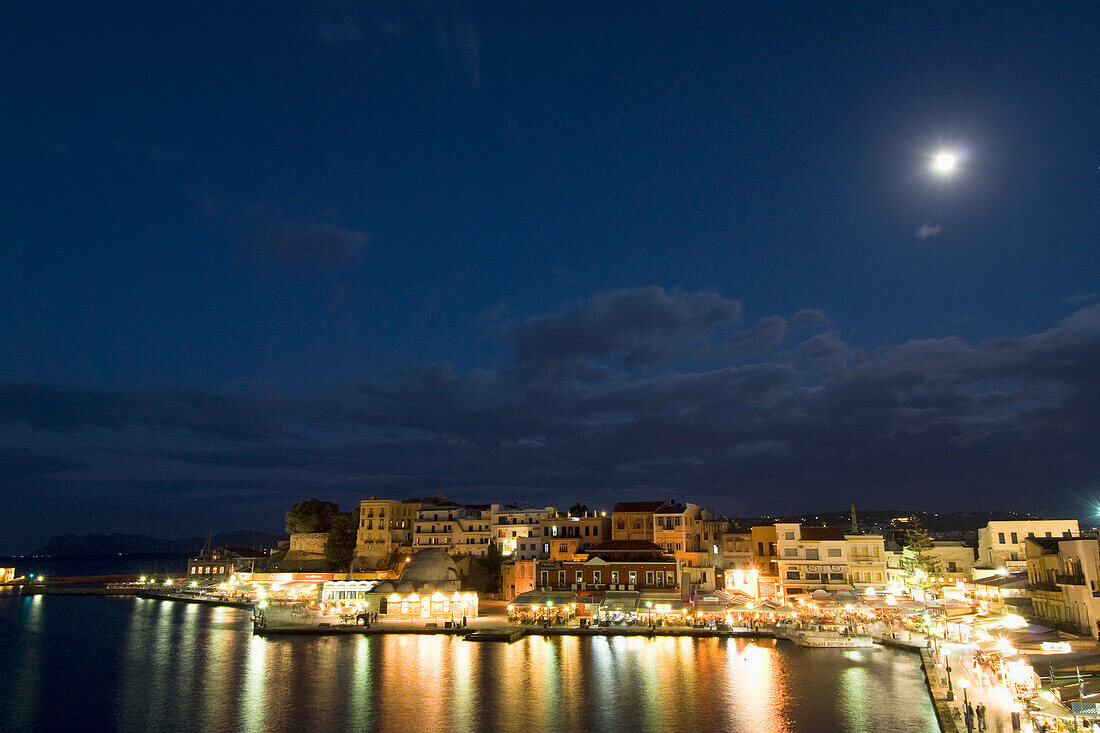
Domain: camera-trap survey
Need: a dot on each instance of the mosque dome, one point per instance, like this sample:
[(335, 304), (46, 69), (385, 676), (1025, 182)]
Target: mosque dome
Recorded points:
[(433, 566)]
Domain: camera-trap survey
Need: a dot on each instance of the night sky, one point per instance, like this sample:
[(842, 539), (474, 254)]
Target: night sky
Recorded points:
[(545, 253)]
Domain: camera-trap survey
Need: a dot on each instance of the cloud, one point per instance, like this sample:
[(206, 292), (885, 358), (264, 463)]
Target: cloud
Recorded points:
[(943, 424), (766, 334), (809, 318), (1083, 297), (310, 246), (928, 230), (635, 322)]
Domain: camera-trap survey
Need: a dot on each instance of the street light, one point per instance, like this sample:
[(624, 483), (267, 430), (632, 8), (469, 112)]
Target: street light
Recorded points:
[(950, 689), (964, 683)]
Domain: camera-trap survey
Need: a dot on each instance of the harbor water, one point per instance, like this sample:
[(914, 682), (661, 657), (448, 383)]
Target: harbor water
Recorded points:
[(132, 664)]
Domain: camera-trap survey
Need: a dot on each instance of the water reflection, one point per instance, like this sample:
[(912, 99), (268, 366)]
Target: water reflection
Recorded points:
[(189, 667)]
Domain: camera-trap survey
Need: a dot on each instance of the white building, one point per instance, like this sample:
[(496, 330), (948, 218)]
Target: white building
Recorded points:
[(1001, 543), (510, 524)]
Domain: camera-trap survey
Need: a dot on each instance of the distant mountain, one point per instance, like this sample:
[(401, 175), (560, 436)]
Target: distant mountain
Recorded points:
[(138, 544)]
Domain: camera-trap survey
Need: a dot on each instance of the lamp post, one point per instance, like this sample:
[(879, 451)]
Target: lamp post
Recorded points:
[(964, 683), (950, 690)]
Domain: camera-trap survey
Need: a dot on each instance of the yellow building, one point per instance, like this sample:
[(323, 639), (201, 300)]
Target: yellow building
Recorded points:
[(385, 529)]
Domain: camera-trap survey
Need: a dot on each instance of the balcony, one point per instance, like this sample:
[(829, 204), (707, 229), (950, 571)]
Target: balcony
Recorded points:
[(1069, 579)]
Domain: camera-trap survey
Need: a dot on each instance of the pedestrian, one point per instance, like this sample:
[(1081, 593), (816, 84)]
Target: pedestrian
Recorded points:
[(981, 716), (968, 715)]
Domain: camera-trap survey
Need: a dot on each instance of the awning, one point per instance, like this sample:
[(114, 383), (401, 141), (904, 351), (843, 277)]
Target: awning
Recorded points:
[(543, 599), (620, 601)]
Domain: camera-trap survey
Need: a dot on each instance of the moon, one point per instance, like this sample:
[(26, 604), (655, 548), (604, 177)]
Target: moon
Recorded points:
[(945, 162)]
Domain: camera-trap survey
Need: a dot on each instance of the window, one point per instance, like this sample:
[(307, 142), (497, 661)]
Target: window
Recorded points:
[(554, 531), (790, 552), (671, 578), (788, 535), (544, 579), (620, 524), (596, 576), (649, 577), (834, 552), (563, 547), (760, 548), (615, 576), (836, 576), (632, 577), (561, 577), (952, 567), (792, 575), (580, 576), (1001, 537), (660, 579), (546, 548), (813, 576), (586, 528), (811, 553), (1015, 541)]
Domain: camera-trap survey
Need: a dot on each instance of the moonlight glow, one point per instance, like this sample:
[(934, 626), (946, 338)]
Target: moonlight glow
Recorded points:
[(945, 162)]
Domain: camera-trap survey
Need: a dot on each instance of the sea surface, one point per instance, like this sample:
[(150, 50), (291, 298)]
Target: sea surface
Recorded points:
[(131, 664)]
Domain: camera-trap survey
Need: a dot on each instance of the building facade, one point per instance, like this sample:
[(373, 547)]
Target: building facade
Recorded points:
[(1001, 543)]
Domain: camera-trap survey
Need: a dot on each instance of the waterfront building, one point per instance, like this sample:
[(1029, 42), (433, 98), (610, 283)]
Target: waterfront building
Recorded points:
[(826, 558), (385, 530), (1001, 543), (736, 549), (511, 525), (617, 573), (1000, 593), (428, 589), (678, 530), (455, 528), (633, 520), (517, 577), (211, 567), (565, 537), (1063, 578)]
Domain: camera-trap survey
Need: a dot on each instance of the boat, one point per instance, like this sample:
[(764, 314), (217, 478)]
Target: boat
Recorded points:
[(830, 636)]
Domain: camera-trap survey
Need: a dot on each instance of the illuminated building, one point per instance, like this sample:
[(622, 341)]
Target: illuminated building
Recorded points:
[(511, 525), (562, 537), (633, 520), (1063, 578), (1001, 543), (385, 529), (428, 590), (453, 527)]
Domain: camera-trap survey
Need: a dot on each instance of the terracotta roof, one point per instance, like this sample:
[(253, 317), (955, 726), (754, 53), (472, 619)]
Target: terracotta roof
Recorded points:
[(638, 506), (816, 534)]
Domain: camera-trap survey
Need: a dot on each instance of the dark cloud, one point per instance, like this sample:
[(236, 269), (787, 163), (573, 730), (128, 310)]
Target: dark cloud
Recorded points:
[(764, 336), (310, 246), (809, 318), (635, 323), (939, 423)]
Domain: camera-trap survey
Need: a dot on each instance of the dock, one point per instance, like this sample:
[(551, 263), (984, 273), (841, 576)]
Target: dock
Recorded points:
[(507, 635)]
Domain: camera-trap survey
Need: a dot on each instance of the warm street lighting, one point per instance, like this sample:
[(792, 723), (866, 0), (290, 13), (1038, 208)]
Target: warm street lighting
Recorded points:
[(964, 683), (950, 690)]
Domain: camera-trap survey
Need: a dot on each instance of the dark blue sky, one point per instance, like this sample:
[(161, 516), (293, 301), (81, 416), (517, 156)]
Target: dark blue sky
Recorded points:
[(579, 252)]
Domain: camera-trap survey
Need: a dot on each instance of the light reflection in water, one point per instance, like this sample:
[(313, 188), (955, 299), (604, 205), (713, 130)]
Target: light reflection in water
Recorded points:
[(756, 692), (192, 668), (254, 702)]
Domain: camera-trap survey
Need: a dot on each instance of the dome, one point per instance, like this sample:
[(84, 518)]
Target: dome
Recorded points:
[(430, 566)]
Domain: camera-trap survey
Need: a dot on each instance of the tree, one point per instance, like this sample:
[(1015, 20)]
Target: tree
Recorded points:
[(578, 509), (311, 516), (340, 545), (492, 562), (920, 568)]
